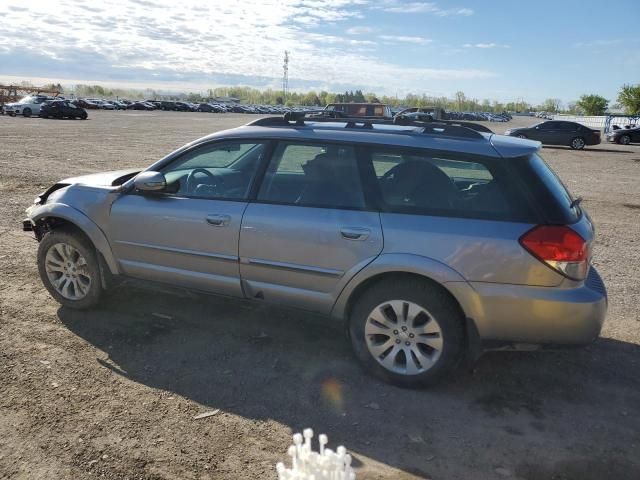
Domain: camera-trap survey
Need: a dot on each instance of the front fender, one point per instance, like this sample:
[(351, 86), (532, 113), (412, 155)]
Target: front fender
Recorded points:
[(80, 220), (396, 263)]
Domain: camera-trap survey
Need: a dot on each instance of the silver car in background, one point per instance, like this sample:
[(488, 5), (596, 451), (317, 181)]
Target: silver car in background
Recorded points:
[(430, 241)]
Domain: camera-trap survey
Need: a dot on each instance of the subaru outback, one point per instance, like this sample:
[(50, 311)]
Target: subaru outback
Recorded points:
[(431, 242)]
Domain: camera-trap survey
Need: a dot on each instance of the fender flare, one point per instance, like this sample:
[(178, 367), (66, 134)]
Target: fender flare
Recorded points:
[(81, 221), (397, 263)]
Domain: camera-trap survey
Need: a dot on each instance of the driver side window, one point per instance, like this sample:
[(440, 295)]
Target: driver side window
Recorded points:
[(223, 170)]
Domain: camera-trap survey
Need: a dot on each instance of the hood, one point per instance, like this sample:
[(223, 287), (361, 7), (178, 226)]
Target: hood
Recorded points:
[(110, 179)]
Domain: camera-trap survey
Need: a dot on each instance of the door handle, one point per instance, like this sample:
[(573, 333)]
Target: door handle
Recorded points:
[(218, 220), (355, 233)]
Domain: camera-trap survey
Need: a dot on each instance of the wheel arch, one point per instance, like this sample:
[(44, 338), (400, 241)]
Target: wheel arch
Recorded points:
[(414, 268), (52, 216)]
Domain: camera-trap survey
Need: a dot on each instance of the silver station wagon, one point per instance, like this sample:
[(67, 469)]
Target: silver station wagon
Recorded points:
[(430, 241)]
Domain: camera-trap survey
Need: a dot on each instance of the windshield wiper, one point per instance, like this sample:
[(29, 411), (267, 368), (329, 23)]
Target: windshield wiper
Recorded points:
[(575, 202)]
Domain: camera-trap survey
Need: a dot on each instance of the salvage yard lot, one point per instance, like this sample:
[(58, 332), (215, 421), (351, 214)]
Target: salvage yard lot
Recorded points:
[(112, 393)]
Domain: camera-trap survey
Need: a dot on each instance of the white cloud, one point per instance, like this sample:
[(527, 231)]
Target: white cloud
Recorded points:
[(400, 6), (405, 39), (197, 43), (359, 30), (485, 45)]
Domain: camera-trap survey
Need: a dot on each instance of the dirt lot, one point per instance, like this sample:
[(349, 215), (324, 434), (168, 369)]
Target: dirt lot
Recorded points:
[(112, 393)]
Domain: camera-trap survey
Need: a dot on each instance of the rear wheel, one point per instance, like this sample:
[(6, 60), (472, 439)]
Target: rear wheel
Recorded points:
[(577, 143), (407, 332), (83, 116), (26, 112), (68, 266), (625, 140)]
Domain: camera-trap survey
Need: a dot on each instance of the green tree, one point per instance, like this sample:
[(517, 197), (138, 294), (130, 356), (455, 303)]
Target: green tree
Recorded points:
[(592, 104), (551, 105), (629, 98)]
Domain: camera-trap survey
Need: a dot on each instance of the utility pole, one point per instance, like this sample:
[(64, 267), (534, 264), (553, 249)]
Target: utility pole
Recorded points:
[(285, 77)]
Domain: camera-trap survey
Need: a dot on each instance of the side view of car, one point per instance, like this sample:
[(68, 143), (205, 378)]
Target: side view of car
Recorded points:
[(62, 109), (429, 241), (624, 136), (555, 132), (27, 106)]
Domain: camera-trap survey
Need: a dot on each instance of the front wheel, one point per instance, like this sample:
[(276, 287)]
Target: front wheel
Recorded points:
[(521, 135), (577, 143), (625, 140), (407, 332), (68, 266)]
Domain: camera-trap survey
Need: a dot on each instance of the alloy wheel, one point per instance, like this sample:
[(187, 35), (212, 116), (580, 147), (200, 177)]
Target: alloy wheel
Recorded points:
[(67, 271), (625, 139), (403, 337), (577, 143)]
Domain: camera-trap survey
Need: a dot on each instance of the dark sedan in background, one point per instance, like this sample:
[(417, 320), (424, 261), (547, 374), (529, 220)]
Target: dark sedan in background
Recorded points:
[(557, 132), (62, 109), (624, 136)]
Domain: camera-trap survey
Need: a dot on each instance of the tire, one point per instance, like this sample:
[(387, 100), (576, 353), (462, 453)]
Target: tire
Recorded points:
[(577, 143), (380, 353), (624, 140), (521, 135), (83, 116), (26, 112), (67, 257)]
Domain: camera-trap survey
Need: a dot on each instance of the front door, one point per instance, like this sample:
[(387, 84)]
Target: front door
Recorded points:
[(309, 230), (188, 235)]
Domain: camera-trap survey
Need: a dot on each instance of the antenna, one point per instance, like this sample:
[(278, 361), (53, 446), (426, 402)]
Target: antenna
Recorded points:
[(285, 76)]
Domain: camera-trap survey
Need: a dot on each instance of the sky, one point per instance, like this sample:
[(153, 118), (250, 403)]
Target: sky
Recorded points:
[(503, 50)]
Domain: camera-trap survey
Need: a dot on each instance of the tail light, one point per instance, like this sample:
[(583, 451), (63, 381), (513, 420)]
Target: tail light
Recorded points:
[(559, 247)]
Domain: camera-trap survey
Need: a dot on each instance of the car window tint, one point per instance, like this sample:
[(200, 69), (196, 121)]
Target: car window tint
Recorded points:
[(314, 175), (219, 170), (552, 186), (427, 183)]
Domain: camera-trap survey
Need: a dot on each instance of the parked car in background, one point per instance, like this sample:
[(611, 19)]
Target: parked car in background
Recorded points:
[(27, 106), (624, 136), (85, 103), (140, 106), (182, 107), (428, 243), (62, 109), (361, 109), (556, 132), (167, 105)]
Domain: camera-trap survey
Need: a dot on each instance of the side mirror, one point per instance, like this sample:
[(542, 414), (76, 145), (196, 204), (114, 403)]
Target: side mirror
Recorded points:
[(150, 182)]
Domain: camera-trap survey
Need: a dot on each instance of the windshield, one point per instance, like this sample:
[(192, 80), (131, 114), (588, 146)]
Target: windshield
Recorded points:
[(28, 99)]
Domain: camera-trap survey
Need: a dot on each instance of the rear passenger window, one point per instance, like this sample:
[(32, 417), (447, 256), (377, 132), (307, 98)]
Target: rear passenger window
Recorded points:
[(434, 184), (313, 175)]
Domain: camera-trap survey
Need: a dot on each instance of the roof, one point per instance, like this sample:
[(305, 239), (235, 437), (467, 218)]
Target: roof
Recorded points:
[(491, 145)]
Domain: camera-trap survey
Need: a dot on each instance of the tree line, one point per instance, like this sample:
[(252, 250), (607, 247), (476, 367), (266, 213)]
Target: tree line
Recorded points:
[(588, 104)]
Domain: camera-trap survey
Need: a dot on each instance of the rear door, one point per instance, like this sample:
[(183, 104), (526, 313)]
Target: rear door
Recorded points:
[(309, 230)]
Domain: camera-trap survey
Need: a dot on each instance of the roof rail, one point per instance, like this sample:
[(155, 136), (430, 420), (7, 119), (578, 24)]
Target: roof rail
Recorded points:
[(434, 127)]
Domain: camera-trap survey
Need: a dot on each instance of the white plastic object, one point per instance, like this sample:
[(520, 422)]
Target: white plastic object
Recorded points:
[(309, 465)]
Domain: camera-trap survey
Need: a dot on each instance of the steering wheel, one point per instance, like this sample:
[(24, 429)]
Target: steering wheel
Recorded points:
[(191, 179)]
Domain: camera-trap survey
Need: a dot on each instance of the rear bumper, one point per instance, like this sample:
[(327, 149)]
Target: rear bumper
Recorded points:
[(536, 315)]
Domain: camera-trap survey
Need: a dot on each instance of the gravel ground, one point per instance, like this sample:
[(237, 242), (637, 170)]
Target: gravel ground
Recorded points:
[(112, 393)]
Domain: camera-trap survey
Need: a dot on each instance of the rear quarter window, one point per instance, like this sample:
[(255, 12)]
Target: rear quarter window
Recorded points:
[(436, 183), (548, 192)]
